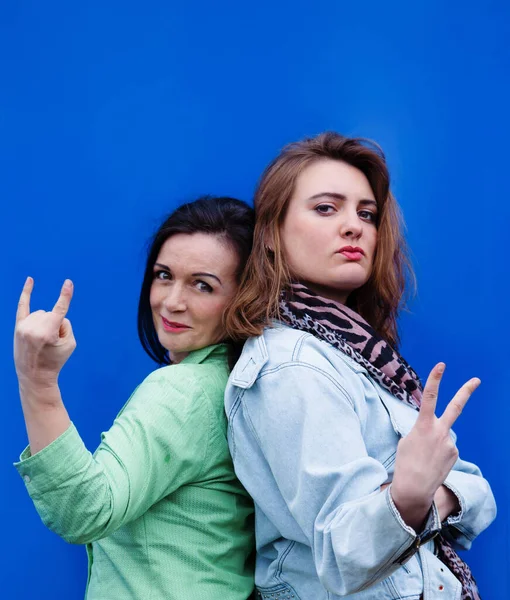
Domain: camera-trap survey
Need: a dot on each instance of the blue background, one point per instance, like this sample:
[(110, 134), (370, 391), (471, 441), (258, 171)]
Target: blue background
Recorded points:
[(113, 112)]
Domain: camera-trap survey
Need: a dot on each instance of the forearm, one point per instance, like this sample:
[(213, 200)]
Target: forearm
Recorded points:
[(45, 415), (157, 443), (346, 566), (69, 488), (414, 515)]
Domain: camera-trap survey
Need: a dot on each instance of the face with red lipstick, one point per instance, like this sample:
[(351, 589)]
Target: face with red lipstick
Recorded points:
[(194, 280), (329, 233)]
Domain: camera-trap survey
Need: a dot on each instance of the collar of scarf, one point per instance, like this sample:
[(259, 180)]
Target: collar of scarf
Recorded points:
[(347, 331), (351, 334)]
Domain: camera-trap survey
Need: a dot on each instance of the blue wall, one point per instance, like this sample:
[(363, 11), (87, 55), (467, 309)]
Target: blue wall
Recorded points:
[(111, 113)]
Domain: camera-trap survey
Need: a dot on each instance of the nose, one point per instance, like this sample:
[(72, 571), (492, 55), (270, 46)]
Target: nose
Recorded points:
[(175, 299), (351, 224)]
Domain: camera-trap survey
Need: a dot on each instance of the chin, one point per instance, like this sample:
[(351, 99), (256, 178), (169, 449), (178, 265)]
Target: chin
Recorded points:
[(350, 285), (169, 347), (351, 280), (339, 289)]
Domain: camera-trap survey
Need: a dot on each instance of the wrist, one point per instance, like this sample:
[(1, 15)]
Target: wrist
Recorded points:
[(409, 496), (412, 508), (40, 394), (37, 377)]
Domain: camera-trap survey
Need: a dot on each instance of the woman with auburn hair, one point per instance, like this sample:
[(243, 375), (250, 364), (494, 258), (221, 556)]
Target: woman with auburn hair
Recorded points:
[(359, 491)]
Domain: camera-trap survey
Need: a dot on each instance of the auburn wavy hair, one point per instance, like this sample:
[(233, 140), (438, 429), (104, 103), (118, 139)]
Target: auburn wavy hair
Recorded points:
[(266, 273)]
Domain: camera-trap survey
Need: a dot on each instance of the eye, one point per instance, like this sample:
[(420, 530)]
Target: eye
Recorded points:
[(202, 286), (368, 215), (324, 209), (162, 275)]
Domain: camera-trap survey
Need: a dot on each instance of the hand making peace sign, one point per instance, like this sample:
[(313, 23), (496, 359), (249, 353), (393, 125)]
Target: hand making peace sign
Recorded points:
[(43, 341), (427, 454)]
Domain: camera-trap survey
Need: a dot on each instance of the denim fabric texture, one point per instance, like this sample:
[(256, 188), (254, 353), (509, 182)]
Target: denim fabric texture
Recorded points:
[(313, 439)]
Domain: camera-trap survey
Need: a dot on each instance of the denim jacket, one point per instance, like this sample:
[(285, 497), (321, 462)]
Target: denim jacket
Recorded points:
[(313, 438)]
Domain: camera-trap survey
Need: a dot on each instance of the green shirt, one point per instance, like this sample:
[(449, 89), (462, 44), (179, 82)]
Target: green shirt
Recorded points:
[(158, 504)]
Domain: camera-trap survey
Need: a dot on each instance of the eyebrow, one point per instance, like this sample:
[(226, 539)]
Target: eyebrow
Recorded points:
[(335, 196), (162, 266), (207, 275)]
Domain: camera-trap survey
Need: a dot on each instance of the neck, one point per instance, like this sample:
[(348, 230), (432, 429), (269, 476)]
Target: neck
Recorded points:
[(339, 296), (177, 357)]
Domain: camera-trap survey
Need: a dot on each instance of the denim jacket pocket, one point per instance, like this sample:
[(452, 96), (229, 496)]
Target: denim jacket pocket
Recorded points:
[(282, 591), (407, 582)]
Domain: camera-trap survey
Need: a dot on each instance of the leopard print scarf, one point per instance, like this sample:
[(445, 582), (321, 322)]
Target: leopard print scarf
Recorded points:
[(347, 331)]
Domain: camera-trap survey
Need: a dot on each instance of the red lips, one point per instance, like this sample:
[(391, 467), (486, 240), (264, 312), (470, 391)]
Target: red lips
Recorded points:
[(352, 249), (173, 325), (353, 253)]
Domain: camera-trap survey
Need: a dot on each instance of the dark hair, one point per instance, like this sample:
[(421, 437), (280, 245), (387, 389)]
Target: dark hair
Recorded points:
[(228, 218)]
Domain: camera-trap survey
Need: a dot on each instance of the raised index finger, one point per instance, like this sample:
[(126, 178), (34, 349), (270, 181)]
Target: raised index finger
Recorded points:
[(430, 393), (62, 305), (24, 300)]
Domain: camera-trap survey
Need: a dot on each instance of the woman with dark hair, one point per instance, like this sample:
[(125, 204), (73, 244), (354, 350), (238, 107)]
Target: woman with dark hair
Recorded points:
[(158, 503), (358, 488)]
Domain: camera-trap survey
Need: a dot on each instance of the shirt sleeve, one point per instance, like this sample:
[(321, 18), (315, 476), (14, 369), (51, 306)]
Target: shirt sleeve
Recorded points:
[(477, 505), (329, 483), (158, 443)]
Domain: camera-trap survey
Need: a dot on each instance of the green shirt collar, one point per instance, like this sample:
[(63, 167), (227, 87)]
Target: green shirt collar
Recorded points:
[(216, 351)]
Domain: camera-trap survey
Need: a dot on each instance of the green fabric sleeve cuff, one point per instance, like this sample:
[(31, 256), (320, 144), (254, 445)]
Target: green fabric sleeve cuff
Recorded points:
[(54, 464)]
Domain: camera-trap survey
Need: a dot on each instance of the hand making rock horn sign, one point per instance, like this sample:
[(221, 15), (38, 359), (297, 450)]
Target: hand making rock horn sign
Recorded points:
[(43, 342)]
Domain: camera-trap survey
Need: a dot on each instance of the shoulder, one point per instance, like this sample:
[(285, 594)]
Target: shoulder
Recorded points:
[(283, 351), (209, 375), (179, 389), (173, 378), (192, 389)]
